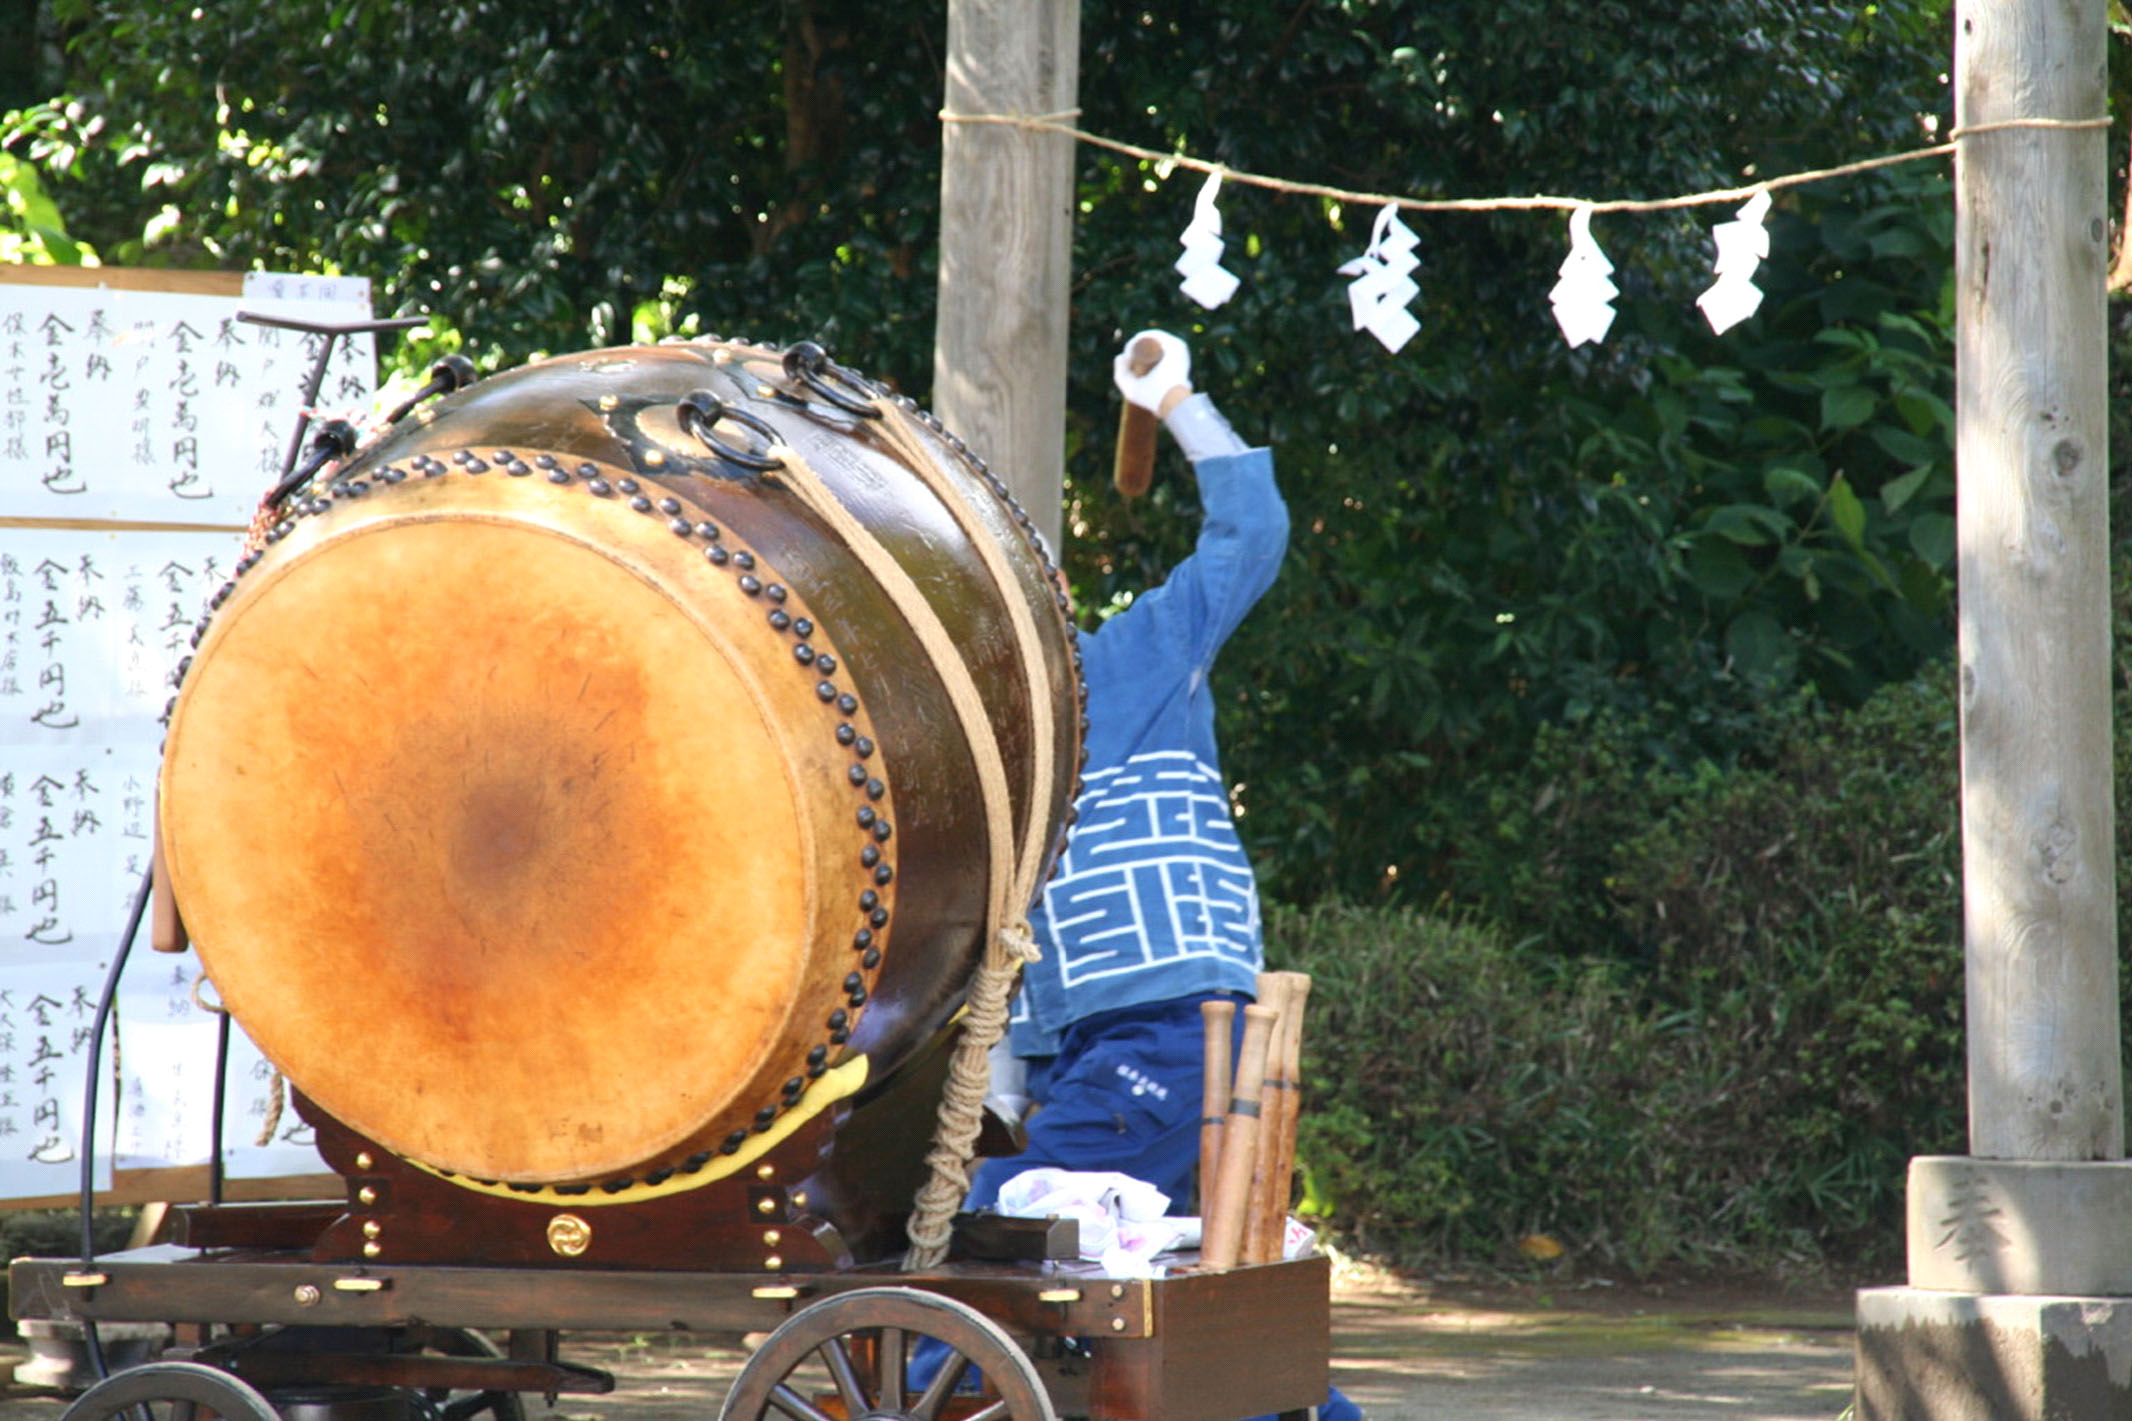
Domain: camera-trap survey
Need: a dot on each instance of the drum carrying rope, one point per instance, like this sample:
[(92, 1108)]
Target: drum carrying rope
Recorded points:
[(1008, 943), (277, 1092)]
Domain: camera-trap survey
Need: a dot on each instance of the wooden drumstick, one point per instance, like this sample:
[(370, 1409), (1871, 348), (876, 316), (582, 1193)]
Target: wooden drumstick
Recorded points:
[(1219, 1018), (1273, 994), (1283, 1128), (1222, 1231), (1134, 466), (166, 930)]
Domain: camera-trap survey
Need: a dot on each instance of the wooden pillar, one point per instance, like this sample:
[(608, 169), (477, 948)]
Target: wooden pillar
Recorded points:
[(1006, 243), (2037, 824)]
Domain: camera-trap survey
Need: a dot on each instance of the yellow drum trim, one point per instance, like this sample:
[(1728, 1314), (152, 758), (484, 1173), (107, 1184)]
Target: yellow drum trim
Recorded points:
[(833, 1086)]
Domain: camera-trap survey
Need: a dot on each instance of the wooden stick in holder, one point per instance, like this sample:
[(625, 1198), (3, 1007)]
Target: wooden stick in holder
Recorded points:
[(1273, 994), (1222, 1231), (1219, 1019), (1280, 1123)]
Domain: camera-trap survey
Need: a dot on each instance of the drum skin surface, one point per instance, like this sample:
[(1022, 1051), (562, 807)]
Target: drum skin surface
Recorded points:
[(554, 799)]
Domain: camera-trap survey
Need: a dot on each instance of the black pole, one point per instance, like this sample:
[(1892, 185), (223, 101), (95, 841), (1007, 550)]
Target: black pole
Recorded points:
[(104, 1007)]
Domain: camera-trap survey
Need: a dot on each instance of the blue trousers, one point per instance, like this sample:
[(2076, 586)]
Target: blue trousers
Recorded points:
[(1123, 1095)]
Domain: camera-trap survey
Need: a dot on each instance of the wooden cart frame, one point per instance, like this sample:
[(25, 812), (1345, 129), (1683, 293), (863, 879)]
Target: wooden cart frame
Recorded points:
[(1191, 1346)]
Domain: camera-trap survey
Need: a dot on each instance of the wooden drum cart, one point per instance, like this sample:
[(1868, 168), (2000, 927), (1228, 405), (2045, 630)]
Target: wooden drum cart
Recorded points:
[(275, 1329), (609, 796), (278, 1312)]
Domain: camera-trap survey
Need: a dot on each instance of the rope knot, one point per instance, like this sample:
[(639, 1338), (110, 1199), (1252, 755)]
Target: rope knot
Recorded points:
[(1018, 944)]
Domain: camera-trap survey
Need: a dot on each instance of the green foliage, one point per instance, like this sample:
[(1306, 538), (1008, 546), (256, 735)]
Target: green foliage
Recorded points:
[(1684, 542), (1746, 1092), (1494, 534), (56, 1233), (1462, 1093), (32, 232), (540, 178), (1808, 914), (1734, 1009)]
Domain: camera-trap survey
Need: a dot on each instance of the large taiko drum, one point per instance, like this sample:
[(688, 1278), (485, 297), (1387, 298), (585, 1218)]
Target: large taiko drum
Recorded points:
[(609, 763)]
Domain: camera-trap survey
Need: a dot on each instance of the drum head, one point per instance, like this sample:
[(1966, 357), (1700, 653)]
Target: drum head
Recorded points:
[(545, 918)]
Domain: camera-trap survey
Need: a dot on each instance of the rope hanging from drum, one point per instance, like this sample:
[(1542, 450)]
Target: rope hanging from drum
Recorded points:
[(1012, 870), (1009, 946)]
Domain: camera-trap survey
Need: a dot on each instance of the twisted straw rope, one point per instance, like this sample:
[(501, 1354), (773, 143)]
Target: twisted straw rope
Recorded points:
[(1055, 123), (276, 1087)]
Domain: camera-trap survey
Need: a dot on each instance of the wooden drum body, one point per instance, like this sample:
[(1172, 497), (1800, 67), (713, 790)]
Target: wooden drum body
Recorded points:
[(566, 795)]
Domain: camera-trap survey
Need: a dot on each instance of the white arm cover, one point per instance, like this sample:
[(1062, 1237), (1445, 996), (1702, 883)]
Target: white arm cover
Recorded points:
[(1201, 431)]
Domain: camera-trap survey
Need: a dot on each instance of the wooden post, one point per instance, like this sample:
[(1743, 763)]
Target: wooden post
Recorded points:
[(2019, 1304), (2031, 237), (1006, 243)]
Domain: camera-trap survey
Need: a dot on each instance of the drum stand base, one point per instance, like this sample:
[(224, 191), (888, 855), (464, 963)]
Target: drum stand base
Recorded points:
[(757, 1219)]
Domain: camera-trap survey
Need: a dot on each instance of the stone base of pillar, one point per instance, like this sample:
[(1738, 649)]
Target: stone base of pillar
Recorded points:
[(2020, 1299), (2031, 1227), (1935, 1356)]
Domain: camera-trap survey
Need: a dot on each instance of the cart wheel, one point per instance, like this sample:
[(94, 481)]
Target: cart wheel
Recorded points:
[(189, 1388), (858, 1343), (464, 1405)]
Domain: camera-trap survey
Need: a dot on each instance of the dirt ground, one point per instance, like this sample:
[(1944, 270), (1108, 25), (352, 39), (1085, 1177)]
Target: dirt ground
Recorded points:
[(1404, 1349), (1407, 1349)]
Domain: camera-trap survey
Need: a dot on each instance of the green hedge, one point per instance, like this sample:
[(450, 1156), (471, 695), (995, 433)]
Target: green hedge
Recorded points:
[(1462, 1092), (1692, 1018), (1680, 1015)]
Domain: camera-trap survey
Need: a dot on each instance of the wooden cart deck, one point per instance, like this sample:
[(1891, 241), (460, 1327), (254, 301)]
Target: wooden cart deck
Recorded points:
[(1213, 1346)]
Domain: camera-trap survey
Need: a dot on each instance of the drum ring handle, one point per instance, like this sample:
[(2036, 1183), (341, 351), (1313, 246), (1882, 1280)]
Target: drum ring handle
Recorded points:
[(700, 409), (809, 364)]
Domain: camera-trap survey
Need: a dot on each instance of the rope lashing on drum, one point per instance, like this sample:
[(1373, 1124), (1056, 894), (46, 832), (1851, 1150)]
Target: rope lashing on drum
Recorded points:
[(276, 1083), (1011, 944), (962, 1101), (1007, 939), (894, 425)]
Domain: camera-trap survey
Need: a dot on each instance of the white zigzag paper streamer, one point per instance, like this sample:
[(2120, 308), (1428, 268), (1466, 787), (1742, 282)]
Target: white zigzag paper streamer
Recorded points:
[(1584, 298), (1383, 285), (1204, 279), (1742, 245)]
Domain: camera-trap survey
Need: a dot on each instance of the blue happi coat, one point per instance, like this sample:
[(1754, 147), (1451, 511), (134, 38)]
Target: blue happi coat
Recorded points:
[(1155, 899)]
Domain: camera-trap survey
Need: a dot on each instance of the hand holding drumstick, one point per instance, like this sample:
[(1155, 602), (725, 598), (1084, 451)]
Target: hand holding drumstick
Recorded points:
[(1154, 373)]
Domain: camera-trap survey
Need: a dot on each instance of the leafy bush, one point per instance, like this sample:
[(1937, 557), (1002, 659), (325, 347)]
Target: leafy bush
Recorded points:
[(56, 1233), (32, 233), (1741, 1082), (1809, 915), (1461, 1093)]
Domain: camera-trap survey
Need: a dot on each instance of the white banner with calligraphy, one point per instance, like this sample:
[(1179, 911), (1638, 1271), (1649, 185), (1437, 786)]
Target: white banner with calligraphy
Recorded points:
[(158, 405), (138, 430)]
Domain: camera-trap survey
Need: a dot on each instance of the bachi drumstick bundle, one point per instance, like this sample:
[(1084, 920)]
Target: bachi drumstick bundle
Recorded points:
[(1219, 1018), (1267, 1225), (1222, 1229)]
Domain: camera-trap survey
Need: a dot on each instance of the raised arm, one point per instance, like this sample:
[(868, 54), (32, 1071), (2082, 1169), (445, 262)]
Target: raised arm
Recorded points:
[(1245, 533)]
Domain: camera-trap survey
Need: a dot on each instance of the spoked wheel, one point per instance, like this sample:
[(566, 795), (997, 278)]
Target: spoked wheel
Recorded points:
[(186, 1387), (851, 1350)]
